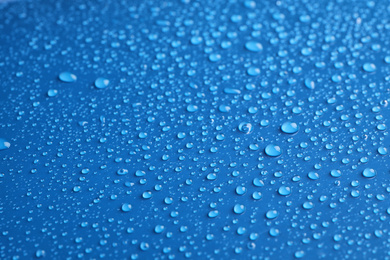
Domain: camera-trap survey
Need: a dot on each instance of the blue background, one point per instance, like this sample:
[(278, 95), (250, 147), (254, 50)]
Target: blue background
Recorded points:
[(155, 164)]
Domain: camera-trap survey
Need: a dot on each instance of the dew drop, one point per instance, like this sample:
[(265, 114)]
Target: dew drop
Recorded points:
[(369, 173), (369, 67), (126, 207), (224, 108), (335, 173), (101, 83), (52, 92), (289, 128), (213, 214), (253, 46), (4, 144), (272, 214), (274, 232), (245, 127), (67, 77), (309, 83), (239, 209), (122, 172), (284, 190), (159, 229), (273, 150), (192, 108), (253, 71)]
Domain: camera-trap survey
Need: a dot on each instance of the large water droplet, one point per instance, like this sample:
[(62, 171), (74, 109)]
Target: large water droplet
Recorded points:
[(159, 229), (274, 232), (101, 83), (272, 214), (369, 67), (245, 127), (122, 172), (253, 71), (192, 108), (284, 190), (369, 173), (224, 108), (309, 83), (52, 92), (289, 128), (213, 214), (239, 209), (67, 77), (126, 207), (273, 150), (253, 46), (335, 173), (4, 144)]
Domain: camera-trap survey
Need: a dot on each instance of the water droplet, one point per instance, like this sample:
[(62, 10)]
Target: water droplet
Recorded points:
[(224, 108), (289, 128), (4, 144), (245, 127), (272, 214), (299, 254), (67, 77), (144, 246), (126, 207), (52, 92), (122, 172), (192, 108), (213, 214), (253, 71), (309, 83), (274, 232), (240, 190), (239, 209), (369, 173), (308, 205), (273, 150), (253, 46), (40, 253), (256, 195), (284, 190), (101, 83), (159, 229), (147, 194), (369, 67), (335, 173), (214, 57), (382, 150)]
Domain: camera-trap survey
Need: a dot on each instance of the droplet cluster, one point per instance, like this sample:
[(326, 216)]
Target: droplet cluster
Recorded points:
[(185, 129)]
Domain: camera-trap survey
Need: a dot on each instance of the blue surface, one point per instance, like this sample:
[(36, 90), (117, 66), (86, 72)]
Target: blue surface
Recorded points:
[(194, 129)]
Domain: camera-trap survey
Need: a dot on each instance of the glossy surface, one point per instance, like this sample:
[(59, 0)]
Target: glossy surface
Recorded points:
[(194, 129)]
